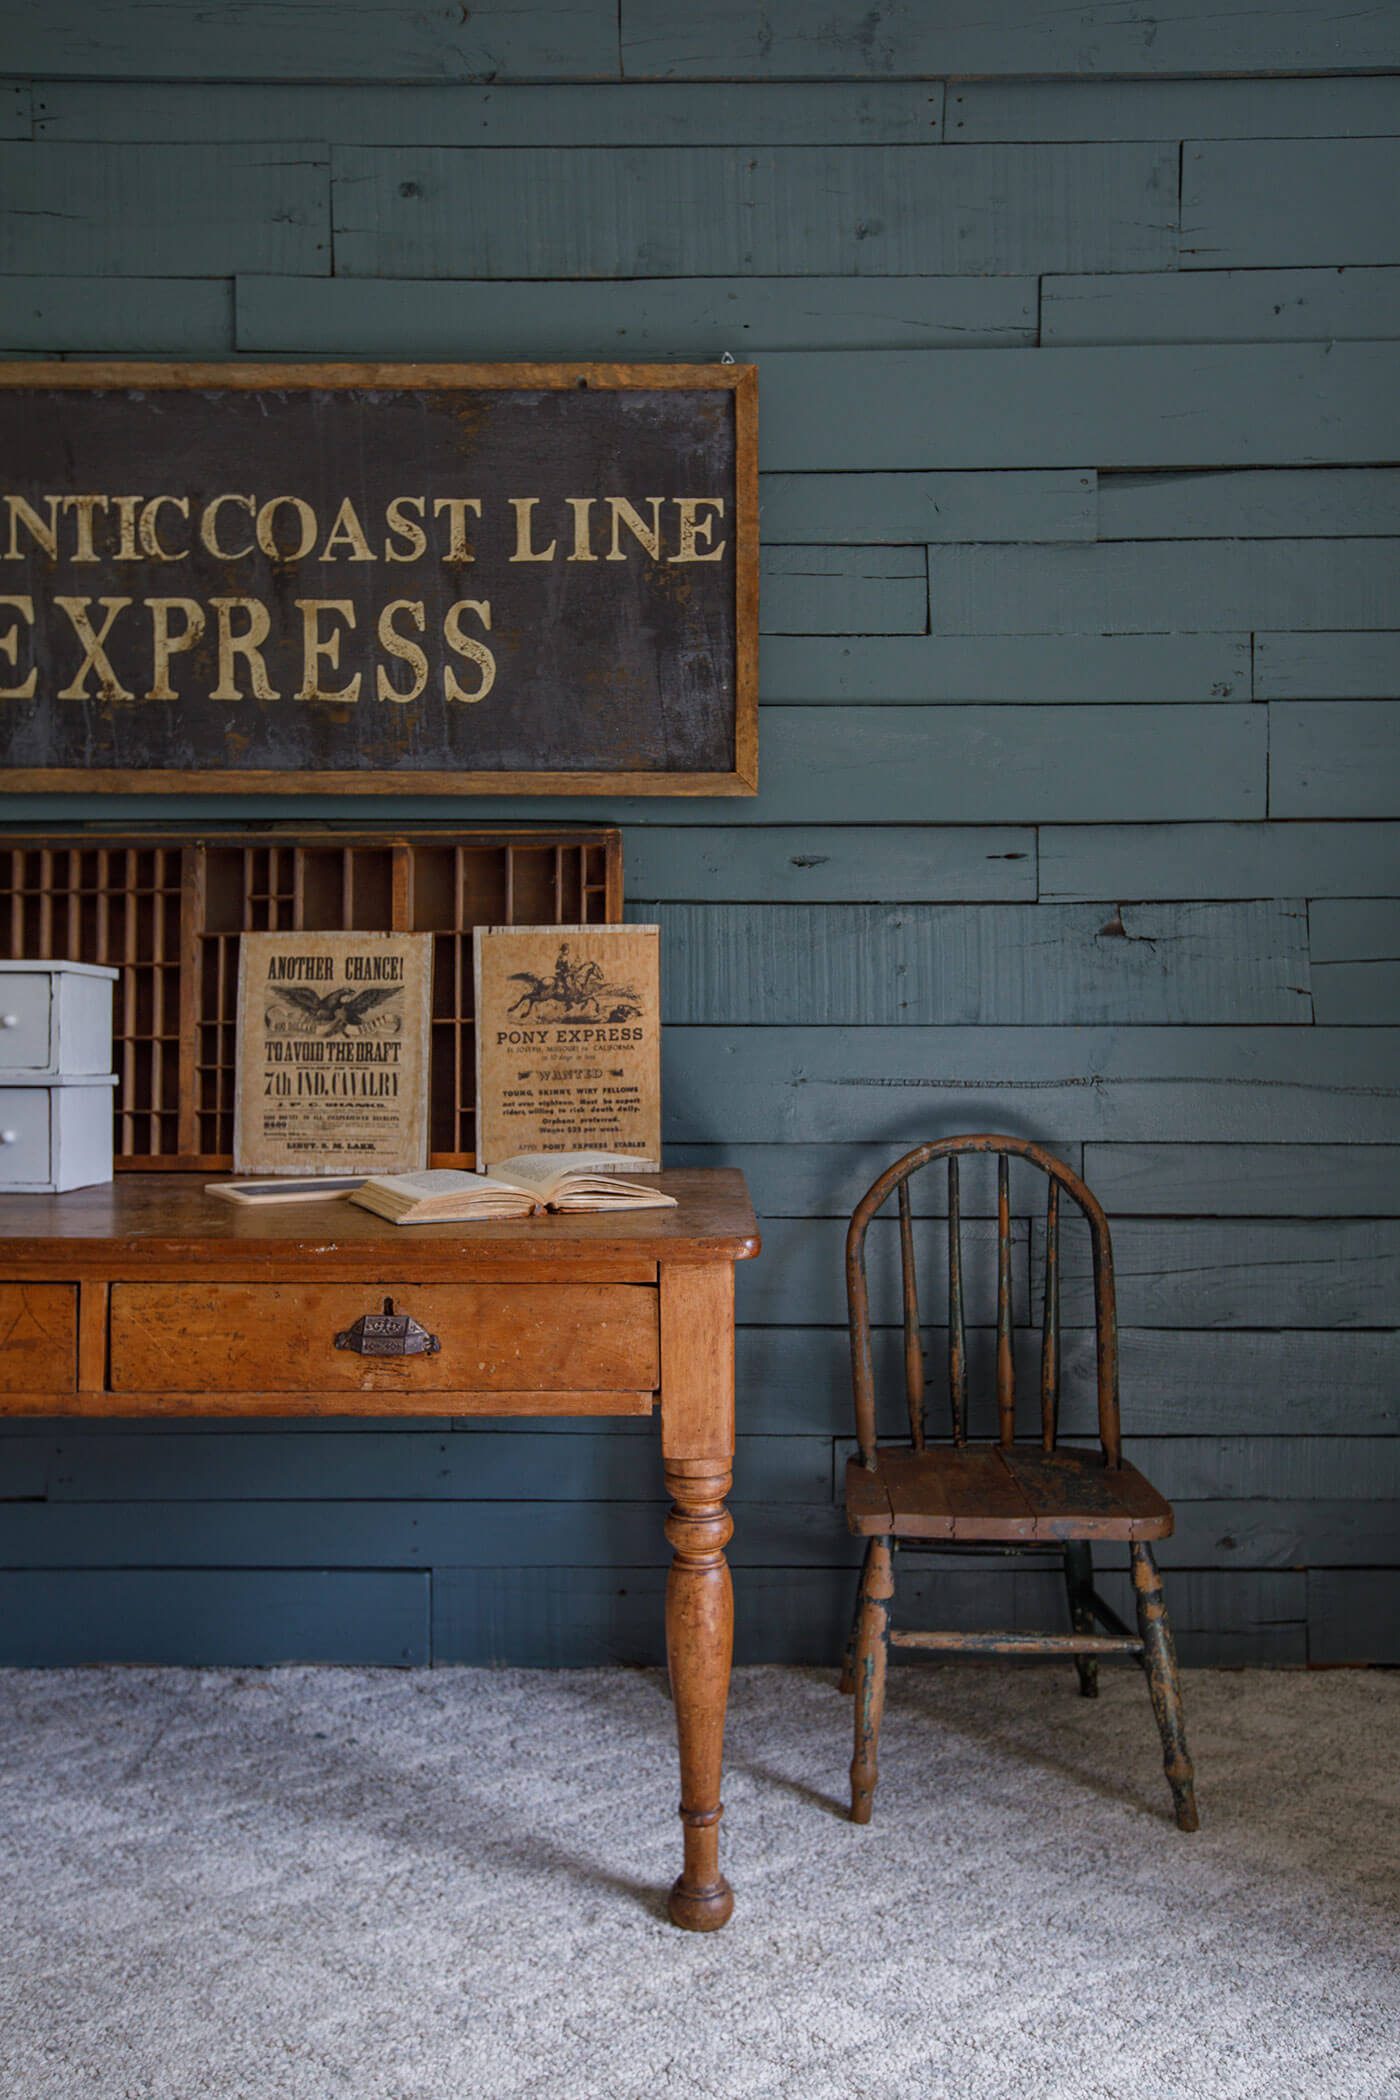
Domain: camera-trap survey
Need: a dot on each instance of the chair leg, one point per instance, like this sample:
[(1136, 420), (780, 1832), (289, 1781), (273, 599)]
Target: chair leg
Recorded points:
[(1079, 1581), (1164, 1683), (871, 1658), (847, 1682)]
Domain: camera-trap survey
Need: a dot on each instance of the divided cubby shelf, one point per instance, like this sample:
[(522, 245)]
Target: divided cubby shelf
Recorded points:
[(166, 911)]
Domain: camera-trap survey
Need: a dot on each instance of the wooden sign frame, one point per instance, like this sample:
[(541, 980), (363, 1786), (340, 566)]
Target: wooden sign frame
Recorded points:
[(739, 381)]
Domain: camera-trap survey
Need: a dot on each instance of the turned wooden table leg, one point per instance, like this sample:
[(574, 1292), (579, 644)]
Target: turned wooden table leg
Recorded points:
[(697, 1444), (699, 1646)]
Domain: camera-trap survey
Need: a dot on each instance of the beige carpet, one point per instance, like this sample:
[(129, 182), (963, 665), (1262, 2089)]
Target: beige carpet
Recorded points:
[(446, 1886)]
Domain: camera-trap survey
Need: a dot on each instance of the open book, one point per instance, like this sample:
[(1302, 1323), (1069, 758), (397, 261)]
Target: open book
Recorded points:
[(515, 1188)]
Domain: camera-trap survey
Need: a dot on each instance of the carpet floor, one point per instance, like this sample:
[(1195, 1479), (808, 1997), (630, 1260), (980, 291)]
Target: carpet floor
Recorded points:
[(305, 1884)]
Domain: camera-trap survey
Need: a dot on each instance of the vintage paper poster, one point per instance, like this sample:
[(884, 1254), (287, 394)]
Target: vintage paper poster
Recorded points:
[(568, 1042), (332, 1053)]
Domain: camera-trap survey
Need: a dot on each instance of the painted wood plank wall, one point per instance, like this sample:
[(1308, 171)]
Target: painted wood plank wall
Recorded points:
[(1081, 741)]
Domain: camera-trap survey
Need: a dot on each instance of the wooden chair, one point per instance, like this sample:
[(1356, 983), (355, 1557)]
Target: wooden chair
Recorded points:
[(1003, 1496)]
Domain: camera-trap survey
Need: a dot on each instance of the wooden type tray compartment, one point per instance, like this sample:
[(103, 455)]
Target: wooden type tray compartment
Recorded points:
[(166, 909)]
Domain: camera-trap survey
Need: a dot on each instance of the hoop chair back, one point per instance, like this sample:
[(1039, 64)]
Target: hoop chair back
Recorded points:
[(895, 1181)]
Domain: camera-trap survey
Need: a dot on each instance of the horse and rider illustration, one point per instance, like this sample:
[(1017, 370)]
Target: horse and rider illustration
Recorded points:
[(578, 992)]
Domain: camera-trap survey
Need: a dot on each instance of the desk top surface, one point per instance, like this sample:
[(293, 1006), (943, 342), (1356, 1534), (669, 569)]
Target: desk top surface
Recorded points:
[(169, 1216)]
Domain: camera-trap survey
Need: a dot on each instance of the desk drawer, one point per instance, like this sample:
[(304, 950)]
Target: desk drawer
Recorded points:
[(38, 1337), (265, 1337)]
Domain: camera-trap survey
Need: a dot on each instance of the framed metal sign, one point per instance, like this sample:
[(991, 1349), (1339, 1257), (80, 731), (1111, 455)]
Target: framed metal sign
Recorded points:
[(474, 579)]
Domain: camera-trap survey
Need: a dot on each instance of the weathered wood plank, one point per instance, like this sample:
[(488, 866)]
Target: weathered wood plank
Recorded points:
[(926, 765), (567, 1617), (613, 1463), (985, 110), (939, 668), (213, 1618), (1252, 203), (1327, 666), (16, 110), (801, 1278), (163, 211), (1334, 758), (409, 1536), (827, 1181), (643, 317), (728, 39), (553, 1618), (1261, 1468), (372, 40), (1152, 585), (1176, 1381), (836, 863), (152, 316), (1216, 860), (1238, 1181), (843, 590), (1018, 965), (1274, 1273), (897, 765), (1356, 929), (25, 1463), (1275, 1534), (982, 764), (898, 1086), (1227, 1618), (865, 113), (1365, 995), (1295, 404), (578, 1618), (797, 1380), (875, 509), (1344, 502), (1356, 946), (76, 1426), (696, 211), (1354, 1615), (1222, 306)]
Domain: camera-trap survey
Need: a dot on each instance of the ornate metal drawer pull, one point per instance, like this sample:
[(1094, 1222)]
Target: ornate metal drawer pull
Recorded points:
[(388, 1334)]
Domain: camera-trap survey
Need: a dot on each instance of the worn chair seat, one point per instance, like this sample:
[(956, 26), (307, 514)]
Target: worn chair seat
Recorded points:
[(1014, 1493)]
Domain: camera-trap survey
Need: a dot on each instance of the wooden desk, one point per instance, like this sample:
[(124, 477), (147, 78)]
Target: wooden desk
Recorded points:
[(149, 1298)]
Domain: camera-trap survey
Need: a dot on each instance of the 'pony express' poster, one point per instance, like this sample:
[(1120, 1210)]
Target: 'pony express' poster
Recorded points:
[(568, 1041)]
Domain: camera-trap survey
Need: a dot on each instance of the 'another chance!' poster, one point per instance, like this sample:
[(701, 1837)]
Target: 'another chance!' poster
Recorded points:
[(332, 1053)]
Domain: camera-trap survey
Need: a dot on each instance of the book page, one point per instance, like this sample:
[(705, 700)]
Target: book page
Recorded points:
[(429, 1183), (547, 1172), (434, 1182)]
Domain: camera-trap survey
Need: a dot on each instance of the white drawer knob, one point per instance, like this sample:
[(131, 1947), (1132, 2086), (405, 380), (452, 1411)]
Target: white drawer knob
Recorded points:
[(9, 1020), (9, 1137)]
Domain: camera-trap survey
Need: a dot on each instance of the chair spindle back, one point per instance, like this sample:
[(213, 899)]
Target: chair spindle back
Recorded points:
[(896, 1180)]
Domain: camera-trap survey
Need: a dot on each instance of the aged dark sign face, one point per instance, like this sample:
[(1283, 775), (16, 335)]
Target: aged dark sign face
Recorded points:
[(469, 579)]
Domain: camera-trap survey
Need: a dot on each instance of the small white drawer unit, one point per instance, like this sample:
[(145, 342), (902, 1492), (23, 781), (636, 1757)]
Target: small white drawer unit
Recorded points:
[(56, 1017), (55, 1133), (56, 1076)]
